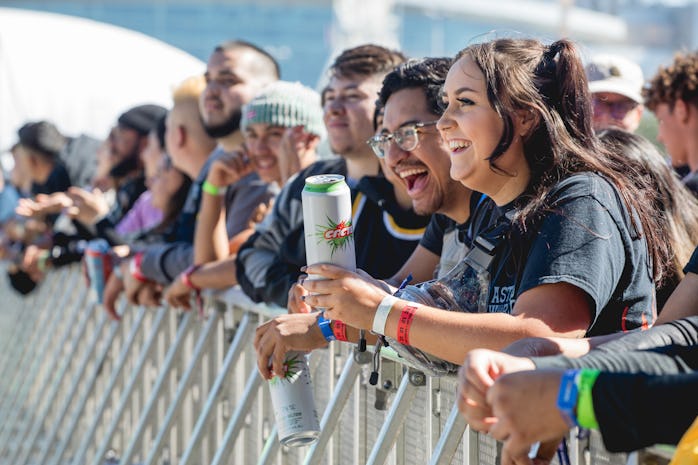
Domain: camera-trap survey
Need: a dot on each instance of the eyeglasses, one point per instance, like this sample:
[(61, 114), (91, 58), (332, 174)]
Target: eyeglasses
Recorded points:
[(406, 137), (617, 110)]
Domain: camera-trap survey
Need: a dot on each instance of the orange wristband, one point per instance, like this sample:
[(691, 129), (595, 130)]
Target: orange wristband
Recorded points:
[(404, 324), (340, 330)]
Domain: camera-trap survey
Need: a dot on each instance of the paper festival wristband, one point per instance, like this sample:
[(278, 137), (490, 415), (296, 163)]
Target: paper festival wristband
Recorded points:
[(211, 189), (135, 268), (585, 403), (340, 330), (382, 312), (404, 324), (325, 327)]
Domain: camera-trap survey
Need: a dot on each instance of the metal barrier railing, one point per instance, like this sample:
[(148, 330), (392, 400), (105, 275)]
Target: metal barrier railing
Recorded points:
[(163, 387)]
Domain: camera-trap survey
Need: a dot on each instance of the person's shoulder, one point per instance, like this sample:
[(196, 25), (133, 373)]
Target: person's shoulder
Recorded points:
[(584, 184), (328, 166)]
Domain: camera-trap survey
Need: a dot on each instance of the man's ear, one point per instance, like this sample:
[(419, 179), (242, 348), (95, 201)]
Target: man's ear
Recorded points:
[(180, 135), (312, 141)]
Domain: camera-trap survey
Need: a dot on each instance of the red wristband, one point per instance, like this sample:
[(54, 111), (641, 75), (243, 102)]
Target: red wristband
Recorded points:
[(340, 330), (403, 325), (135, 268), (186, 277)]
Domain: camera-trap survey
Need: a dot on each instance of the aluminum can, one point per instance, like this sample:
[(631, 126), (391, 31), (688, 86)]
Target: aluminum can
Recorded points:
[(99, 265), (327, 219), (294, 406)]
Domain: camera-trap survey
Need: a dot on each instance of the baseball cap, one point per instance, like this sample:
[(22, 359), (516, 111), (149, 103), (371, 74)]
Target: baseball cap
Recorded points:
[(615, 74)]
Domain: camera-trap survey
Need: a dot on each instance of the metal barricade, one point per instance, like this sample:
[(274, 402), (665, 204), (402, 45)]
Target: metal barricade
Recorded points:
[(164, 387)]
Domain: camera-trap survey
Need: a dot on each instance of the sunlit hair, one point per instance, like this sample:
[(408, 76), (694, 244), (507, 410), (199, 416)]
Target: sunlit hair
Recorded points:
[(189, 90), (525, 75), (672, 201), (678, 81), (365, 60), (427, 74)]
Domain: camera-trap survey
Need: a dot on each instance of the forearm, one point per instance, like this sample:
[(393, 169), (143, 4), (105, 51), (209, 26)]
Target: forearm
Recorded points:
[(210, 236), (451, 335), (660, 361), (163, 262), (215, 275)]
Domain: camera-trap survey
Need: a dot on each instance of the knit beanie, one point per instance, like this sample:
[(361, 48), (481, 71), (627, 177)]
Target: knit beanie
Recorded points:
[(285, 104)]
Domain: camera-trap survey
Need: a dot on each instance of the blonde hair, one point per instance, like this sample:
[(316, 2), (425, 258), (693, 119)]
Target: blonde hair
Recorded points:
[(189, 90)]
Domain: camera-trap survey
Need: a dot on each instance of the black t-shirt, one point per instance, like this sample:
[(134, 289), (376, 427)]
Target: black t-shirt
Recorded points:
[(692, 265), (585, 239)]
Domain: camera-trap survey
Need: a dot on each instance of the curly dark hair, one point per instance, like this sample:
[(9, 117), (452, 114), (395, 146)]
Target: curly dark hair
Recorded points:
[(365, 60), (427, 74), (678, 81)]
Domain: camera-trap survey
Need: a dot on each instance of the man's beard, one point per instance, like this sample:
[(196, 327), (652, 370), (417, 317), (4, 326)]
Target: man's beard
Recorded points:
[(225, 128)]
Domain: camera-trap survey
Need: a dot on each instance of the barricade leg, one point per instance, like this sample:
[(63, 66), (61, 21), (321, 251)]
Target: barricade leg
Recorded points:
[(145, 417), (24, 451), (136, 377), (242, 337), (449, 439), (184, 384), (394, 421)]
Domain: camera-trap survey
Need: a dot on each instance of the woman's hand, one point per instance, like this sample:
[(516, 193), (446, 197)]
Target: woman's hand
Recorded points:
[(345, 295)]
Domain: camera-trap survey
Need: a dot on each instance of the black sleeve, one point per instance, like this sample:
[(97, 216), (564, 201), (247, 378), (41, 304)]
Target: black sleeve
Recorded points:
[(636, 410), (432, 240), (670, 348), (692, 265)]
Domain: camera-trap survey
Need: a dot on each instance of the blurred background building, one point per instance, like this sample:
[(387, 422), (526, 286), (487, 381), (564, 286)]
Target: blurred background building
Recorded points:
[(304, 34)]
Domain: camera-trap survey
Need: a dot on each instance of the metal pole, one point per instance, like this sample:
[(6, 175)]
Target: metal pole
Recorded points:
[(135, 378), (333, 410), (449, 439), (393, 421), (242, 337)]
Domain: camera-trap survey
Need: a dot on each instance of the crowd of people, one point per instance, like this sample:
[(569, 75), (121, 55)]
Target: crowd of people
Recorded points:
[(508, 223)]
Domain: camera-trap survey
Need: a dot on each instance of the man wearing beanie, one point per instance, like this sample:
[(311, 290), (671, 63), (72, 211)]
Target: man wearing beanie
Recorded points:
[(282, 127), (269, 263)]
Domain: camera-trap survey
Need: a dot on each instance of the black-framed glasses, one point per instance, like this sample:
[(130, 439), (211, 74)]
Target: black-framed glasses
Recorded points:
[(406, 137)]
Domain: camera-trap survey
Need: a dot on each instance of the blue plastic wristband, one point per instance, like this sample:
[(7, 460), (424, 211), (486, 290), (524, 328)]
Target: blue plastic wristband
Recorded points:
[(325, 327), (567, 397)]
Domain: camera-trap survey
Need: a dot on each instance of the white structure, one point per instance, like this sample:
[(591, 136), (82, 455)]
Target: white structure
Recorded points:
[(80, 74)]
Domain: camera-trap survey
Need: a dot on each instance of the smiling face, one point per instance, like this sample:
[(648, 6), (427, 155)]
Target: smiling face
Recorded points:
[(472, 130), (263, 142), (348, 106), (229, 85), (424, 171)]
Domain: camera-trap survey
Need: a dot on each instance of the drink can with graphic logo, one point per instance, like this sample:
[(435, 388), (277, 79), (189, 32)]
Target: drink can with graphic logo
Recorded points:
[(99, 266), (293, 402), (327, 218)]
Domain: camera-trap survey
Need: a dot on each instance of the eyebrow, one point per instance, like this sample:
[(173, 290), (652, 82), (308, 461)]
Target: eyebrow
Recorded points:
[(458, 91)]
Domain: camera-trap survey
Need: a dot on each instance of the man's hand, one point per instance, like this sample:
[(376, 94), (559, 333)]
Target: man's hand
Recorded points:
[(480, 370), (178, 295), (112, 290), (273, 339), (524, 404), (229, 168), (88, 207)]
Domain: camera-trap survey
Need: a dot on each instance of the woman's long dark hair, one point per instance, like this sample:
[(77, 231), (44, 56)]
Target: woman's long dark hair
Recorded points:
[(549, 81)]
